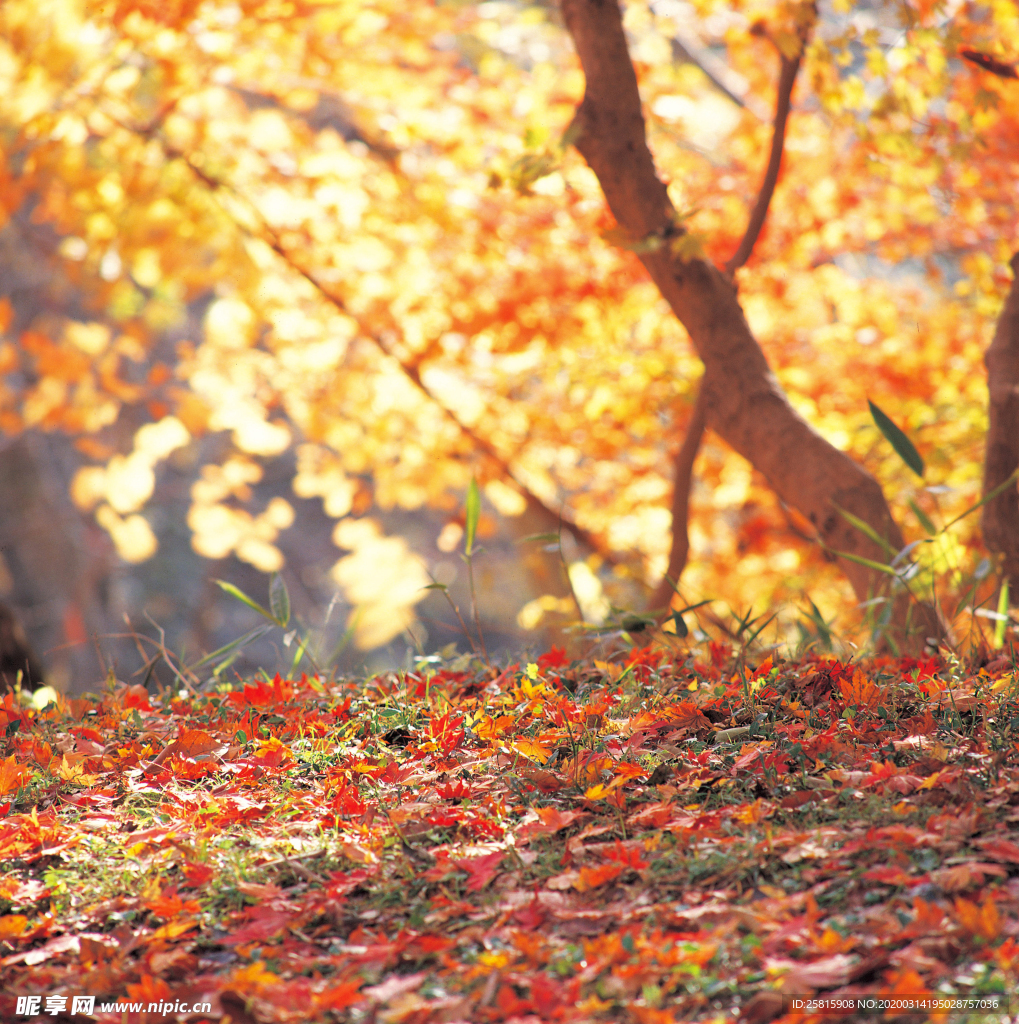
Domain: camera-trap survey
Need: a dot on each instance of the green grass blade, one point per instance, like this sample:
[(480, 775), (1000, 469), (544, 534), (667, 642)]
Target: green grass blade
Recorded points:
[(907, 549), (1002, 624), (867, 529), (815, 616), (279, 599), (869, 563), (929, 528), (302, 648), (344, 641), (232, 646), (244, 599), (473, 514), (757, 632), (990, 496), (897, 439)]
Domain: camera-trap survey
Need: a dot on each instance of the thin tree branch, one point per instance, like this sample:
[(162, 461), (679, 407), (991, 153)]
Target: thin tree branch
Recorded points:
[(268, 236), (718, 73), (786, 80), (683, 469), (687, 454)]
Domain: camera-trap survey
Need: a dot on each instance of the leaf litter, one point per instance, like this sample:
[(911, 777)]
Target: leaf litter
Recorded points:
[(648, 839)]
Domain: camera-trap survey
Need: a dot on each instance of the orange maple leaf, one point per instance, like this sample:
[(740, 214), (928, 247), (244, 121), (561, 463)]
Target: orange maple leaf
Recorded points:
[(339, 997), (689, 716), (13, 775), (592, 876), (984, 921), (904, 981), (860, 692), (628, 855)]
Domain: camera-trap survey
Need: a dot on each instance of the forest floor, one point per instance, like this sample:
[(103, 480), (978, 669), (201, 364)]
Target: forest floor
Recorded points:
[(649, 838)]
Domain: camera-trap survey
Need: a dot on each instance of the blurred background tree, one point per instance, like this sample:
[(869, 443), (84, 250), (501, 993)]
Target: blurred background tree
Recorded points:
[(279, 278)]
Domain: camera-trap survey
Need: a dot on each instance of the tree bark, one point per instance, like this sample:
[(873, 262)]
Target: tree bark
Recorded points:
[(744, 403), (662, 597), (1000, 518), (679, 550)]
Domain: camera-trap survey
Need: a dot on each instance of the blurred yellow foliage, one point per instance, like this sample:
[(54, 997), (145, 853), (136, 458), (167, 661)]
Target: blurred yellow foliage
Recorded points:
[(312, 192)]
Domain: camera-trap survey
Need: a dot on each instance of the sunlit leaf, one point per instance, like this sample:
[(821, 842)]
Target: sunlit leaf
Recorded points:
[(473, 511), (1002, 619), (923, 518), (239, 594)]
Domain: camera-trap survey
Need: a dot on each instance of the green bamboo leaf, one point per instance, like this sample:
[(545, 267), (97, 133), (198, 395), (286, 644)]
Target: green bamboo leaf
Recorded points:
[(298, 655), (923, 518), (906, 551), (815, 616), (545, 538), (473, 513), (867, 529), (671, 582), (870, 564), (279, 599), (1002, 624), (232, 646), (990, 496), (897, 439), (244, 599)]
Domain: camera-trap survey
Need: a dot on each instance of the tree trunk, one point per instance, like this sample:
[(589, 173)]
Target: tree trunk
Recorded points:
[(15, 655), (744, 404), (1000, 520)]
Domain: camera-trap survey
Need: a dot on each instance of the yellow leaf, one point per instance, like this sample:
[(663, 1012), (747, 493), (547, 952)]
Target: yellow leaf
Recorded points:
[(533, 749), (754, 813)]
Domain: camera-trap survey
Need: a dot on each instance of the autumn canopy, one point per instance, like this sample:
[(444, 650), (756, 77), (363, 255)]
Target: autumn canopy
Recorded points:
[(549, 248)]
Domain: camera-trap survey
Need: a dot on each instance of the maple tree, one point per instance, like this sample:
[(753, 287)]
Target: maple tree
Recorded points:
[(369, 233)]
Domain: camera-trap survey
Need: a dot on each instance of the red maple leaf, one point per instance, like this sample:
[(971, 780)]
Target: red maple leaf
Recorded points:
[(480, 870)]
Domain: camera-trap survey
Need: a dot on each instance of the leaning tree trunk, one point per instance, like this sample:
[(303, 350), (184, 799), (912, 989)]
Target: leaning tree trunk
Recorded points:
[(743, 401), (1001, 514)]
